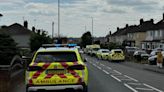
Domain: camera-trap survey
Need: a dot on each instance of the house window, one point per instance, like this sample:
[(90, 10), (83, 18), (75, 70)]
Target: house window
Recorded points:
[(161, 33), (158, 33)]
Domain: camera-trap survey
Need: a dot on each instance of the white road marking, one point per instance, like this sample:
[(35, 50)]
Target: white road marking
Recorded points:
[(153, 88), (117, 72), (144, 89), (97, 62), (115, 78), (102, 64), (94, 64), (99, 67), (105, 72), (109, 67), (130, 87), (135, 83), (131, 78), (126, 79)]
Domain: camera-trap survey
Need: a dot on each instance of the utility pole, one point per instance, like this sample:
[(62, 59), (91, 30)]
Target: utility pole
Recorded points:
[(52, 30), (58, 18), (92, 31)]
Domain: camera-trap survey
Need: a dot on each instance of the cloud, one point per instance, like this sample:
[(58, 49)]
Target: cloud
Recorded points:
[(41, 9), (131, 2), (136, 5)]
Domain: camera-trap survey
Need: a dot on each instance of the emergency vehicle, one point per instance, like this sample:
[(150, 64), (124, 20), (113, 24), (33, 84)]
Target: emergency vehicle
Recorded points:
[(116, 55), (57, 67)]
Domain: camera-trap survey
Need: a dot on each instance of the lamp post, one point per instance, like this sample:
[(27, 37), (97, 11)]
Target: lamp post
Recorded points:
[(92, 31), (52, 30), (58, 18)]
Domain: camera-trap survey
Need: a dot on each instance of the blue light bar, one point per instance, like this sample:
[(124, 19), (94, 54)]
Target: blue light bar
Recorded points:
[(58, 45), (72, 45)]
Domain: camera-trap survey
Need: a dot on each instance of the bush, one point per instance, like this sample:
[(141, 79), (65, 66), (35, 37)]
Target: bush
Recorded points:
[(8, 49)]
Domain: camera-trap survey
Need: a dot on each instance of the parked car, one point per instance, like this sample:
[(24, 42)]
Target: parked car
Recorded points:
[(130, 50), (102, 54), (158, 49), (154, 52), (116, 55), (152, 59), (140, 55)]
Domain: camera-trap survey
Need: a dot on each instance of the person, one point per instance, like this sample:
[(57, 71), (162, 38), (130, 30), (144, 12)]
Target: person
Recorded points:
[(159, 59)]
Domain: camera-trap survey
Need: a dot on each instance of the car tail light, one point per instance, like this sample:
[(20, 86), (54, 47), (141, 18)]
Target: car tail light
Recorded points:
[(76, 67), (30, 82), (34, 68)]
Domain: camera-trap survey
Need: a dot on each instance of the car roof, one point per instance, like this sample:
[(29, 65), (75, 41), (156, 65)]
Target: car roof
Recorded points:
[(116, 50), (49, 49), (104, 49)]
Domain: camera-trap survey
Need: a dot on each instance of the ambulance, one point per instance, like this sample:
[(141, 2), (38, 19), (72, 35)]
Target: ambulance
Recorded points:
[(57, 67)]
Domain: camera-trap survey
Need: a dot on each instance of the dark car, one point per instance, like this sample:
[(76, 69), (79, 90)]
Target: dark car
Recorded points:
[(140, 55)]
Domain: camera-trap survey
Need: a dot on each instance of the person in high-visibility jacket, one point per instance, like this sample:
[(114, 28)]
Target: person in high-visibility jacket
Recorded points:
[(159, 59)]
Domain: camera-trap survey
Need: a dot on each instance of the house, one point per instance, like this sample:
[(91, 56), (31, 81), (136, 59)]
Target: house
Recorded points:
[(21, 34), (137, 33), (132, 35), (155, 36)]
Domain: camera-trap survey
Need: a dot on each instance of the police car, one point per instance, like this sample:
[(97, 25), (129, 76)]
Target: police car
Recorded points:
[(116, 55), (57, 67)]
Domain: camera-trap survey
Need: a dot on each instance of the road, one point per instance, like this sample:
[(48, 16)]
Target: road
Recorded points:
[(107, 76)]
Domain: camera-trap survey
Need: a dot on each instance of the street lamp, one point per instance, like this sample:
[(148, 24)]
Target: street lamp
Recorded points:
[(92, 30), (58, 18), (52, 30)]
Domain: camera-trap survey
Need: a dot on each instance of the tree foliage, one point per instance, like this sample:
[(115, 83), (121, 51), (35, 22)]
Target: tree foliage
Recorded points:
[(8, 49), (38, 38), (86, 39)]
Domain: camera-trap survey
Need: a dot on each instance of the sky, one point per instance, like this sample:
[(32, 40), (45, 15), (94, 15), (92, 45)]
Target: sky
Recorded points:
[(76, 15)]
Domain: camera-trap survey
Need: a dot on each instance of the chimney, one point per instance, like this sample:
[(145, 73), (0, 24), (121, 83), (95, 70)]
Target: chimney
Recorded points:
[(33, 29), (152, 21), (141, 21), (118, 28), (127, 25), (26, 24), (110, 33)]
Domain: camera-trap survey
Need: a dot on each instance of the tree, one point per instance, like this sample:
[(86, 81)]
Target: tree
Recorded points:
[(86, 39), (38, 38), (8, 49)]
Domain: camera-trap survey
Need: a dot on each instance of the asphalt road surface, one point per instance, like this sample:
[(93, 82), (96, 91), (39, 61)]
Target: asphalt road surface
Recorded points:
[(107, 76)]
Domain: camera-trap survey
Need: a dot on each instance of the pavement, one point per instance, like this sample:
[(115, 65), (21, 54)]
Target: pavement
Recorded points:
[(152, 68)]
